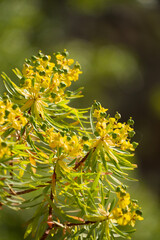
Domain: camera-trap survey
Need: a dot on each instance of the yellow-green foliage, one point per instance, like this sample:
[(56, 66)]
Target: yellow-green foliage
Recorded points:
[(70, 163)]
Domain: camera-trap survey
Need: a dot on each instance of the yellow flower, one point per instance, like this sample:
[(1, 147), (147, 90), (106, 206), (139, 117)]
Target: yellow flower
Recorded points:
[(117, 212), (101, 128), (4, 149), (12, 115), (100, 113), (135, 217), (124, 199), (59, 57), (124, 219), (114, 133), (71, 146)]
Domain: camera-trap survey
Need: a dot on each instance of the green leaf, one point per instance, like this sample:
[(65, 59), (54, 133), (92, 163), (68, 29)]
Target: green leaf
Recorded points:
[(112, 204), (107, 197), (94, 226), (103, 159), (103, 229), (7, 132), (61, 214), (95, 183), (123, 161), (28, 230), (115, 179), (17, 73), (13, 89), (91, 119), (8, 159), (113, 159), (122, 234), (54, 124), (78, 233)]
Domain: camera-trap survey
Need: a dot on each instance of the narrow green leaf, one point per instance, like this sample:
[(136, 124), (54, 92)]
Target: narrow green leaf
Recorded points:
[(94, 226), (95, 183), (112, 204), (28, 230), (7, 132), (103, 159), (122, 234), (106, 197), (91, 119)]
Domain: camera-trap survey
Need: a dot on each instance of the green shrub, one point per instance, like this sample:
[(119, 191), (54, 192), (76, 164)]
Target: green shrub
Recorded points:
[(70, 163)]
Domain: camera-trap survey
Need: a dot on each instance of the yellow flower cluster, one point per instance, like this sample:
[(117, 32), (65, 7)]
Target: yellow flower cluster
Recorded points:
[(72, 146), (4, 149), (127, 211), (11, 115), (43, 78), (113, 132)]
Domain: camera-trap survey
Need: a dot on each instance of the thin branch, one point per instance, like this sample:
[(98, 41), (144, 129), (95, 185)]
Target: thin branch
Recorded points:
[(29, 190), (45, 235), (50, 216), (77, 165)]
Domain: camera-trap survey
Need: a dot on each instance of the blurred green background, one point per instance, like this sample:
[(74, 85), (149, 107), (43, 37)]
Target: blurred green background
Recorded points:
[(117, 43)]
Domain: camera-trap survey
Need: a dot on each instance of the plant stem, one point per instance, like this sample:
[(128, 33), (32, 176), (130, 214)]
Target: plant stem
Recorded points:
[(77, 165)]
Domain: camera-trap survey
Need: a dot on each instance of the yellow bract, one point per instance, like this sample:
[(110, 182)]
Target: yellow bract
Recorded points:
[(11, 116), (4, 149), (72, 147), (45, 81), (124, 213), (113, 132)]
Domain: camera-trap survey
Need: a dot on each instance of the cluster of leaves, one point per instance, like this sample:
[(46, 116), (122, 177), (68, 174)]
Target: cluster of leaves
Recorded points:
[(70, 163)]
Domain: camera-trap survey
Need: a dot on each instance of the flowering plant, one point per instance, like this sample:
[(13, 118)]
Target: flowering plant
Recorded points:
[(68, 163)]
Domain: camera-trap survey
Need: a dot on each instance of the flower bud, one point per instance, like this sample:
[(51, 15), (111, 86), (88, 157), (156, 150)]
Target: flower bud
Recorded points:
[(69, 138), (65, 53), (86, 147), (96, 105), (68, 93), (42, 73), (77, 65), (14, 106), (55, 69), (131, 134), (37, 63), (53, 95), (117, 116), (96, 134), (34, 58), (85, 138), (103, 114), (138, 212), (65, 71), (45, 58), (6, 113), (28, 61), (118, 189), (3, 144), (130, 122), (62, 85), (114, 135), (40, 54), (135, 144)]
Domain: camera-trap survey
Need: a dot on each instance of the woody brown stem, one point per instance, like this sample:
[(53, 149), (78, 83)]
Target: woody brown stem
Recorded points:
[(77, 165), (29, 190), (46, 233)]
